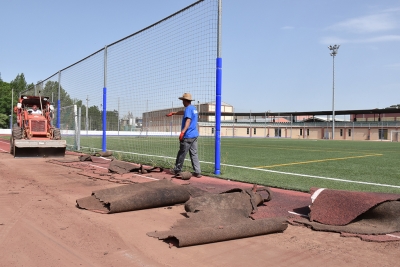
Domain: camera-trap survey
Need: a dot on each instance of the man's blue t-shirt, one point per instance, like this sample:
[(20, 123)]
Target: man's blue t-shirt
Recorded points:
[(191, 113)]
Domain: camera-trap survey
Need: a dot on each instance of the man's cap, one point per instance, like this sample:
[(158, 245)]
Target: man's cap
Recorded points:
[(186, 96)]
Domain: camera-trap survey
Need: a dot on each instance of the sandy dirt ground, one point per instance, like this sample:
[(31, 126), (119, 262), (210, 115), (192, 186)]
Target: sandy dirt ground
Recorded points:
[(40, 225)]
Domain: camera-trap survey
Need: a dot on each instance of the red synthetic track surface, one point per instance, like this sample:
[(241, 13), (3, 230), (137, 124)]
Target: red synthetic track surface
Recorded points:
[(344, 206), (283, 203)]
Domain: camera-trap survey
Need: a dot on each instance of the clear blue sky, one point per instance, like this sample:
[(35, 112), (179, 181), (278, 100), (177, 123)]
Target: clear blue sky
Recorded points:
[(275, 53)]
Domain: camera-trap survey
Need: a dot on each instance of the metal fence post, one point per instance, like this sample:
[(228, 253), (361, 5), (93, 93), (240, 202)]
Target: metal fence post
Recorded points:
[(78, 130)]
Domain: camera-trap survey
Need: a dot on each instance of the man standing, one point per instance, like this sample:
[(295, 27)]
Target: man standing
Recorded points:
[(188, 136)]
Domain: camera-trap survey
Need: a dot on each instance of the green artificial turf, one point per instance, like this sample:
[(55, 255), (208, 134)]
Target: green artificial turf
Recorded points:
[(283, 163), (275, 162), (332, 164)]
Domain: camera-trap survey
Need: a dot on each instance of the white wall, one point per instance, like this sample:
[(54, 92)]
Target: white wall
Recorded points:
[(5, 131)]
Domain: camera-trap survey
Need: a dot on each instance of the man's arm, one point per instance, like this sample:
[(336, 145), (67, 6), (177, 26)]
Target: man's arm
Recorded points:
[(187, 124), (180, 112)]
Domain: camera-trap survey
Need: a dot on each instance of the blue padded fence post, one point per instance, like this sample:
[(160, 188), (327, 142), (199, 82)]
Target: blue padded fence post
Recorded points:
[(104, 119), (217, 169), (58, 113)]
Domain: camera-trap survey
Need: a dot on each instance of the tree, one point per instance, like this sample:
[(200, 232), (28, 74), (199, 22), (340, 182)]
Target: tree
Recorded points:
[(5, 100), (4, 121), (95, 122), (112, 120), (19, 84), (395, 106), (5, 104), (51, 90)]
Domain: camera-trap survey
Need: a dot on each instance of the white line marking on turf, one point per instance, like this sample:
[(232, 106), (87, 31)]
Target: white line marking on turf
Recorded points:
[(134, 173), (96, 166), (146, 177), (316, 194), (393, 235), (272, 171), (295, 213), (313, 176)]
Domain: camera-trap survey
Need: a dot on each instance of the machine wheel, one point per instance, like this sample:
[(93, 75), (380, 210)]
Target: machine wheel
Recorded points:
[(16, 134), (56, 134)]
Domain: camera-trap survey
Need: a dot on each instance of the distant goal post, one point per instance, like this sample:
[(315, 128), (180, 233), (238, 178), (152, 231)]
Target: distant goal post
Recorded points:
[(394, 136), (70, 126)]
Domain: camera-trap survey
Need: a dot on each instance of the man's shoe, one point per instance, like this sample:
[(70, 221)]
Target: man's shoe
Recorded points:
[(197, 175), (173, 171), (176, 174)]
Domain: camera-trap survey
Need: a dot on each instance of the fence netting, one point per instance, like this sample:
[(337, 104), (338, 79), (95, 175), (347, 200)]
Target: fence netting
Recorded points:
[(144, 74)]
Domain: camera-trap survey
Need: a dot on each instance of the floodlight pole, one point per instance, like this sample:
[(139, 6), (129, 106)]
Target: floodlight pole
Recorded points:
[(334, 50)]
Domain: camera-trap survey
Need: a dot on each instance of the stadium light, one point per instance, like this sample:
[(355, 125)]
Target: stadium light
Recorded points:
[(334, 50)]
